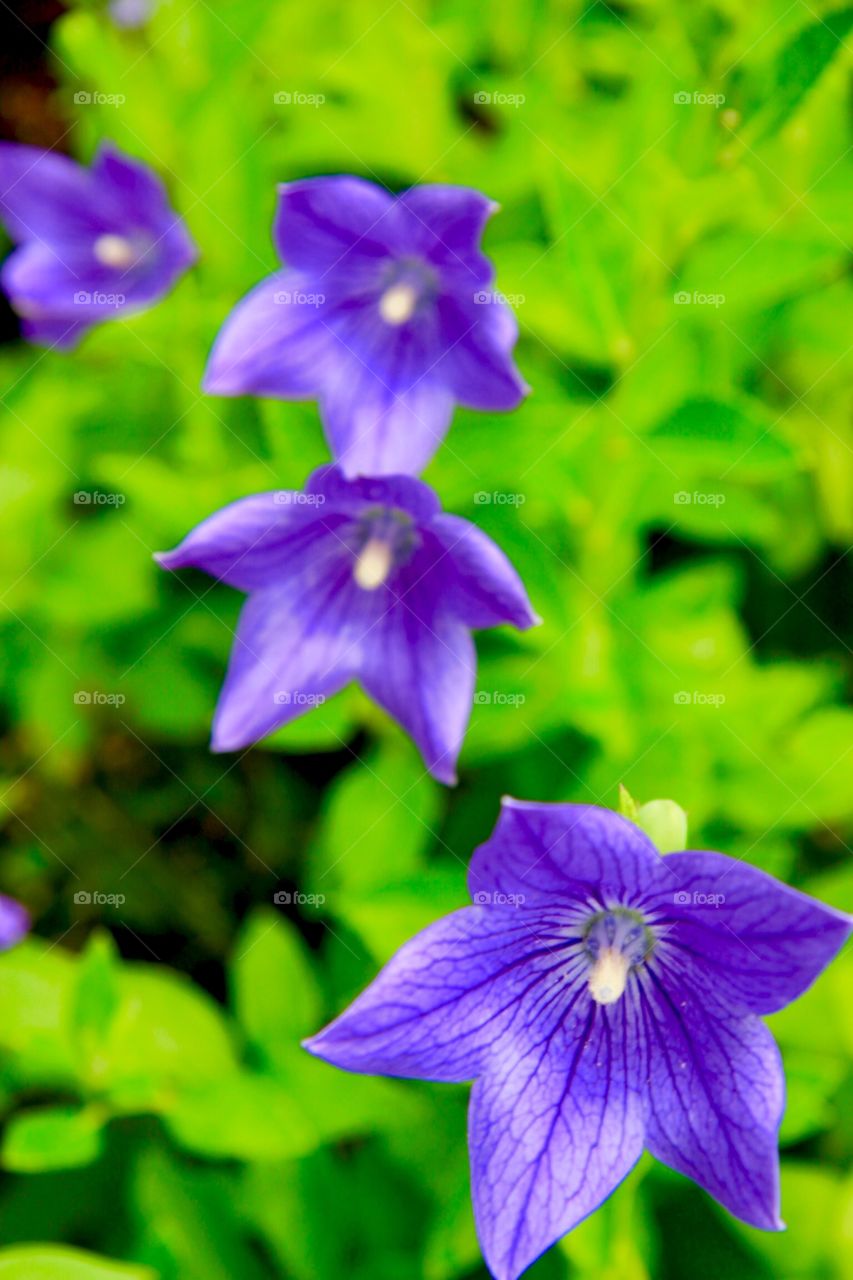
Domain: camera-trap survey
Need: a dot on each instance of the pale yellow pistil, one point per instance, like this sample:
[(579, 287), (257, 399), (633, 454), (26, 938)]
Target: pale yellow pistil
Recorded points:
[(373, 564), (397, 304), (114, 251), (608, 976)]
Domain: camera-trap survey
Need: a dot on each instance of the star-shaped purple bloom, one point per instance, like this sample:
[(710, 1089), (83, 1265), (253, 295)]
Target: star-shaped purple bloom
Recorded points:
[(384, 313), (363, 580), (605, 999), (14, 922), (93, 244)]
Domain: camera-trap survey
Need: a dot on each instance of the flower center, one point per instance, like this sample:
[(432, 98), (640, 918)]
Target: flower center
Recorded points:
[(114, 251), (616, 942), (385, 540), (406, 284), (373, 564), (397, 304)]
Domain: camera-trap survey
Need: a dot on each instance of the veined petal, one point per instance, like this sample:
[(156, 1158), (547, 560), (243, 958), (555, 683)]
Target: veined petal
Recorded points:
[(446, 224), (554, 1127), (321, 222), (762, 942), (438, 1007), (574, 851), (254, 541), (715, 1091), (276, 342), (478, 367), (421, 666), (295, 645), (482, 585)]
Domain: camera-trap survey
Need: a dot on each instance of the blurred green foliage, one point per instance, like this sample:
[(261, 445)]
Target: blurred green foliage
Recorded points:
[(677, 494)]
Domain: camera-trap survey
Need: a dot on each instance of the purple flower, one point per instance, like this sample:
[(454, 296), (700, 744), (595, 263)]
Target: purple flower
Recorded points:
[(14, 922), (130, 14), (606, 999), (354, 580), (384, 313), (92, 243)]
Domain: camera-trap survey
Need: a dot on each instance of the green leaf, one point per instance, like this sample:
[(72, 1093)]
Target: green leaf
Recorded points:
[(52, 1262), (276, 997), (242, 1117), (52, 1138), (728, 441), (799, 66), (96, 1001)]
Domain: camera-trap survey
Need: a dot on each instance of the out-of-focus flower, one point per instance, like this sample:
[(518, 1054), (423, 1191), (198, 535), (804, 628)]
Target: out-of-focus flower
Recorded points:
[(93, 244), (14, 922), (384, 313), (363, 580), (605, 998), (131, 14)]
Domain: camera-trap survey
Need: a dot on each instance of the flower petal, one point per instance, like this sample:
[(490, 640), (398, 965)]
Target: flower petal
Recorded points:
[(275, 342), (577, 851), (47, 331), (252, 542), (421, 666), (441, 1003), (46, 196), (375, 430), (553, 1128), (482, 586), (138, 192), (477, 365), (287, 658), (402, 492), (321, 224), (763, 942), (14, 922), (66, 281), (446, 224), (715, 1093)]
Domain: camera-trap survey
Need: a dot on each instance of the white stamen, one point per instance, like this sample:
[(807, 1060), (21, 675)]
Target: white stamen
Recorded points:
[(397, 304), (114, 251), (373, 564), (608, 976)]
